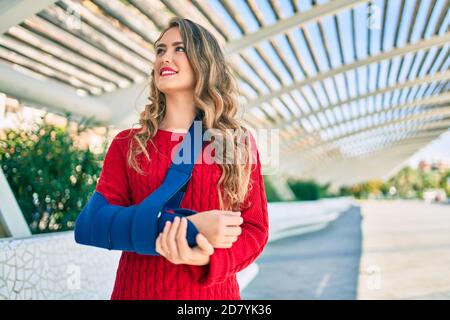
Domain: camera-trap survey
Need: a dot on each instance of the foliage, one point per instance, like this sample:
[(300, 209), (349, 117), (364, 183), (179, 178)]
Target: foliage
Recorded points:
[(51, 178), (408, 183), (271, 194), (308, 190)]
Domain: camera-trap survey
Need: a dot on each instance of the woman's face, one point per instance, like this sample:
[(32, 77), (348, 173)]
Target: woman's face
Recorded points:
[(172, 69)]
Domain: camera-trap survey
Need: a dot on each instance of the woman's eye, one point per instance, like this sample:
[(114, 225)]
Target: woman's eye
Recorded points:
[(158, 51), (180, 48)]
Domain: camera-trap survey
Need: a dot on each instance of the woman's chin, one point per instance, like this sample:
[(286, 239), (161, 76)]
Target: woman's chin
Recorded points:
[(167, 88)]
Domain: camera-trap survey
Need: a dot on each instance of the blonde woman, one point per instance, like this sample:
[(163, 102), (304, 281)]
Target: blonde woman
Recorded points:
[(189, 78)]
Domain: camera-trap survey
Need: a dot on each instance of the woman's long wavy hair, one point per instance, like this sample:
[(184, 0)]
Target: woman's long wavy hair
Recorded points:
[(216, 97)]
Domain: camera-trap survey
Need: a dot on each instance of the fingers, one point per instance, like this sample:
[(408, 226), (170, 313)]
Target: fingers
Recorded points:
[(163, 236), (225, 245), (232, 220), (231, 239), (227, 242), (183, 247), (159, 249), (233, 231), (232, 213), (171, 238), (172, 244), (204, 244)]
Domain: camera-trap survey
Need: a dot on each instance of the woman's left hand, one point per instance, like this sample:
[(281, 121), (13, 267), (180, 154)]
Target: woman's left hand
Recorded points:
[(172, 245)]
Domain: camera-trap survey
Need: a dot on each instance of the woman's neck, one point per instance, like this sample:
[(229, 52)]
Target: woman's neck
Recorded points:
[(180, 112)]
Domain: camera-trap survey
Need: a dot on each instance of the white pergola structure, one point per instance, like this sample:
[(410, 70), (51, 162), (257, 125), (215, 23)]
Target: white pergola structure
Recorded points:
[(355, 87)]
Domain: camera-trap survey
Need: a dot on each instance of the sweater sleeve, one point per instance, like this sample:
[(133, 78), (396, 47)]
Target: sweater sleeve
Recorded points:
[(250, 243), (109, 220), (113, 182)]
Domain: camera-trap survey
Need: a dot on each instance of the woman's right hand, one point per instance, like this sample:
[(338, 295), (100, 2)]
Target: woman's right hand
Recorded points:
[(221, 228)]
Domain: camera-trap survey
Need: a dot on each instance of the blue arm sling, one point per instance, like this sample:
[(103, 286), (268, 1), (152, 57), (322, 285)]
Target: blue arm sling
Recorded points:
[(135, 228)]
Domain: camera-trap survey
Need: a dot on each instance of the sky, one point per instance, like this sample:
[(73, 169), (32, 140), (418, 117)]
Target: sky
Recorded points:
[(437, 149)]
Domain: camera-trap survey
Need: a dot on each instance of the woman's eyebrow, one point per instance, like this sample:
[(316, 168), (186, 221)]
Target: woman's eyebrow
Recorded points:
[(173, 44)]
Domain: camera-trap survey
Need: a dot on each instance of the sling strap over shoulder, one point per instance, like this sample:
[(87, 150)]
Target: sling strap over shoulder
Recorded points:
[(135, 228)]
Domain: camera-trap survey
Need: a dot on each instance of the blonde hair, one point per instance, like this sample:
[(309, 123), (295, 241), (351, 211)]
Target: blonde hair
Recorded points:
[(216, 97)]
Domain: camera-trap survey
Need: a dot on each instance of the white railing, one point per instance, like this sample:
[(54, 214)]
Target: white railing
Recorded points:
[(53, 266)]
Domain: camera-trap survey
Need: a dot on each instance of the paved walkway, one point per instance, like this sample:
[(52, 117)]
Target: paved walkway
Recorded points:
[(320, 265), (386, 250), (406, 251)]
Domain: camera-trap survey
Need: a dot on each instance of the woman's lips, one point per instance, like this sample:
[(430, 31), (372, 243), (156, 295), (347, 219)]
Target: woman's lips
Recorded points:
[(168, 74), (167, 71)]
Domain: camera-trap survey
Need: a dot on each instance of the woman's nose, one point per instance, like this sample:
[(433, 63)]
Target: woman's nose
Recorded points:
[(167, 57)]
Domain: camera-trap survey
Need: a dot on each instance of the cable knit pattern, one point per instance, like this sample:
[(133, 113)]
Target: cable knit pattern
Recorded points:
[(153, 277)]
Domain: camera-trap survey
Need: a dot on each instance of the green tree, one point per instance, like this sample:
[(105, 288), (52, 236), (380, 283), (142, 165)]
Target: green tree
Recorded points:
[(308, 190), (445, 182), (51, 179), (408, 183), (271, 193)]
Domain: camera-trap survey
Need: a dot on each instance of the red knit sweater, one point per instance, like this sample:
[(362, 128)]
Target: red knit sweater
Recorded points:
[(154, 277)]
